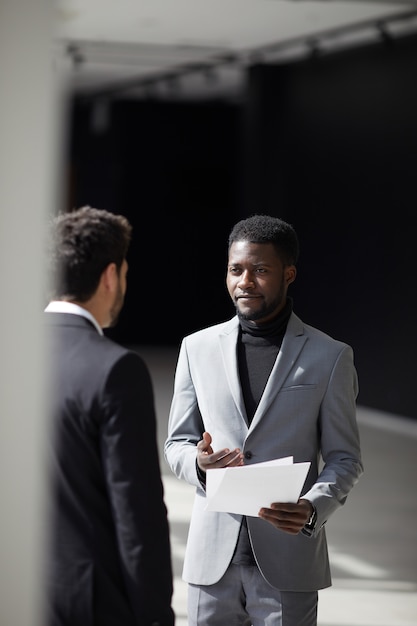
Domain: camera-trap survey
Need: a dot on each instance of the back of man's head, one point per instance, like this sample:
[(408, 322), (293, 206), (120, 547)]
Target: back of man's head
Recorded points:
[(83, 243)]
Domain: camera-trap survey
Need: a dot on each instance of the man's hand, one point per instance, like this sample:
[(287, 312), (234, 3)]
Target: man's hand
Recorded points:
[(207, 459), (291, 518)]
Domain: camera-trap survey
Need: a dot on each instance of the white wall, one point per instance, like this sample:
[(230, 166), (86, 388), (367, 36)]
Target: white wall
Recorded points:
[(28, 184)]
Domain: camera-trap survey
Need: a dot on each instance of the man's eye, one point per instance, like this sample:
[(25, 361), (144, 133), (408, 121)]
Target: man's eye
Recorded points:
[(260, 270)]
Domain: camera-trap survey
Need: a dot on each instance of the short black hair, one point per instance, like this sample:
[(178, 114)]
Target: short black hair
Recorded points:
[(268, 229), (82, 244)]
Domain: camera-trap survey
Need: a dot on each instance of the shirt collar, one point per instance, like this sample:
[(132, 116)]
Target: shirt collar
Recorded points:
[(60, 306)]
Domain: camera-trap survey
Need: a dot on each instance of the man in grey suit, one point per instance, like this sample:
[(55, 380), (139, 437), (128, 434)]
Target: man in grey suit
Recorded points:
[(109, 561), (261, 386)]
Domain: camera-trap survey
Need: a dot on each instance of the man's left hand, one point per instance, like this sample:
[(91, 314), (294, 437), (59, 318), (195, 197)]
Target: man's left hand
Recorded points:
[(291, 518)]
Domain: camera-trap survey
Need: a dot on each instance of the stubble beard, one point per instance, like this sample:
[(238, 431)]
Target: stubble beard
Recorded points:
[(265, 310)]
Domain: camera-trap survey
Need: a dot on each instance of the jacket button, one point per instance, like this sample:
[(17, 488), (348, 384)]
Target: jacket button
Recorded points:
[(248, 454)]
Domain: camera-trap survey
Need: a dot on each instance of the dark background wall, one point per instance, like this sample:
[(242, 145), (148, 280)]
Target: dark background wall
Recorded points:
[(329, 144), (173, 170)]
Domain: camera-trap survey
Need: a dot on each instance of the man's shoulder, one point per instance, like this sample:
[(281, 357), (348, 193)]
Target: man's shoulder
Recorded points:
[(208, 332), (298, 327), (86, 343), (111, 351)]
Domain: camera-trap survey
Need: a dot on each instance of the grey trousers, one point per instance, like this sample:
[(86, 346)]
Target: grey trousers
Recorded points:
[(244, 598)]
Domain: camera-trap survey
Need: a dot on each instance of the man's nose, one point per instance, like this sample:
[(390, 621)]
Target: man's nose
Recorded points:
[(246, 280)]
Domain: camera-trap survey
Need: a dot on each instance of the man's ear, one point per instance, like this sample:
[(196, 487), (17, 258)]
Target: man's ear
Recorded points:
[(109, 277), (290, 272)]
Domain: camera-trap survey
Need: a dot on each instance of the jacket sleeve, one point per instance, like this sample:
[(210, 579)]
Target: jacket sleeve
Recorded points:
[(185, 425), (339, 440), (133, 478)]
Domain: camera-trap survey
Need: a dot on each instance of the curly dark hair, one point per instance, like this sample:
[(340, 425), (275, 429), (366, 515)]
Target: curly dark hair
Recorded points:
[(267, 229), (82, 244)]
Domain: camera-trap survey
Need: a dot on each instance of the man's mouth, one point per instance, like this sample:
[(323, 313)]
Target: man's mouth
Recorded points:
[(247, 297)]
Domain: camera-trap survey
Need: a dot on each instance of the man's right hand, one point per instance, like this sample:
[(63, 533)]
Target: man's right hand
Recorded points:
[(207, 459)]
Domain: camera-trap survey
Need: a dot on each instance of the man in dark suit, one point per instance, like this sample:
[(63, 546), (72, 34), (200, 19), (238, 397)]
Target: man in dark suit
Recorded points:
[(110, 560)]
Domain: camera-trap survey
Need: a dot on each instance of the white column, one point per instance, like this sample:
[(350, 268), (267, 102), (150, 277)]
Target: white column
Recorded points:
[(28, 186)]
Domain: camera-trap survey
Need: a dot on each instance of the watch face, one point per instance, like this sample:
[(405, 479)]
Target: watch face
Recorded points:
[(311, 522)]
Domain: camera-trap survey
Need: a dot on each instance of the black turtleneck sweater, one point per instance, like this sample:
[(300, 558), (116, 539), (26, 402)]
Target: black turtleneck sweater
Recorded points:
[(257, 350)]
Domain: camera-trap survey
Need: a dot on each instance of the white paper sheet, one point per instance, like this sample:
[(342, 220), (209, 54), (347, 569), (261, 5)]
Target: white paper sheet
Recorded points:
[(248, 488)]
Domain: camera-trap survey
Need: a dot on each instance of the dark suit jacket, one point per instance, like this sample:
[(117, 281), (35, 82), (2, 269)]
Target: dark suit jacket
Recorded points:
[(110, 559)]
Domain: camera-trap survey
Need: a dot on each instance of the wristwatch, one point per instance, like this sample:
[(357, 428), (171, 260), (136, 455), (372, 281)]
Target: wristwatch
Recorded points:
[(311, 523)]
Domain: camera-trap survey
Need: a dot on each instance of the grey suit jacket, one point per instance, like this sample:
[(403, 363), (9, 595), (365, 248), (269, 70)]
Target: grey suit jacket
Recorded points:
[(308, 411)]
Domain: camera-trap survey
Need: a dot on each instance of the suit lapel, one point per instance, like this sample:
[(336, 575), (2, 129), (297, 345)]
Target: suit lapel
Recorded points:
[(292, 344), (228, 346)]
